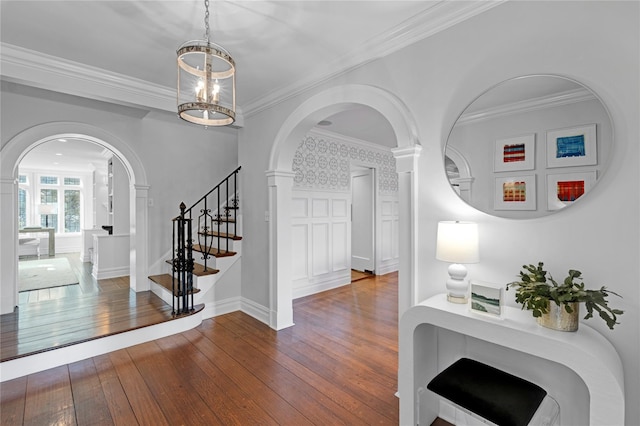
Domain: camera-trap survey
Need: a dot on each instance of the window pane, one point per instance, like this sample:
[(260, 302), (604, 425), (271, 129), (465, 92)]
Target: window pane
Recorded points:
[(22, 179), (22, 208), (71, 211), (71, 181), (49, 196), (49, 180)]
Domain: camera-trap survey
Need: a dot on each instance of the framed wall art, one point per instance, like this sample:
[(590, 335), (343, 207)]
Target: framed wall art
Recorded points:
[(515, 193), (486, 298), (517, 153), (564, 189), (575, 146)]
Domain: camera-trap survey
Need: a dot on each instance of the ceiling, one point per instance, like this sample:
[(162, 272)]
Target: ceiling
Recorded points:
[(280, 47)]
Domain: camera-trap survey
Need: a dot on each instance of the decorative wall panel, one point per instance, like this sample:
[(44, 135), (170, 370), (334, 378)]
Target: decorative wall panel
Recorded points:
[(321, 162)]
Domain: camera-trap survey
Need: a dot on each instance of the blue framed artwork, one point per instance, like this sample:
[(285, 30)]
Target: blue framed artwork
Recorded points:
[(575, 146)]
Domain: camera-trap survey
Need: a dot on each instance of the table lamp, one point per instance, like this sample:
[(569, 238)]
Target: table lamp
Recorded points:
[(46, 210), (457, 242)]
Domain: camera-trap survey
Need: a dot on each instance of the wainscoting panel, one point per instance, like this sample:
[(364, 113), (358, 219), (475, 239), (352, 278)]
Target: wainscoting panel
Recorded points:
[(389, 226), (300, 238), (321, 241), (320, 248), (340, 246)]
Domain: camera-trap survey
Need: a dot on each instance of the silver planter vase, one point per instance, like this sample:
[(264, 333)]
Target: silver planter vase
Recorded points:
[(557, 317)]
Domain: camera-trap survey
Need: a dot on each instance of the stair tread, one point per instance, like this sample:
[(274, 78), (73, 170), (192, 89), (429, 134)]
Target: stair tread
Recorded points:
[(213, 251), (198, 269), (166, 281), (221, 234)]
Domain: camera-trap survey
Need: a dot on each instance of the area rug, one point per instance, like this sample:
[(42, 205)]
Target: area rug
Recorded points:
[(45, 273)]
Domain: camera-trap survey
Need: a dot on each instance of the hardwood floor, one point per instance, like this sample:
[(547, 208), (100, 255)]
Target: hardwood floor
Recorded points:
[(337, 365), (61, 316)]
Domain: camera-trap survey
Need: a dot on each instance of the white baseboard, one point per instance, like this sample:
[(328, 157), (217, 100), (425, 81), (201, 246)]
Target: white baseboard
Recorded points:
[(115, 272), (302, 289)]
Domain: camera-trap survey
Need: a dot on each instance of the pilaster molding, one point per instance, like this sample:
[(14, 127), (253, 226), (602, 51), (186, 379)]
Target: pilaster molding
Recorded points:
[(406, 158)]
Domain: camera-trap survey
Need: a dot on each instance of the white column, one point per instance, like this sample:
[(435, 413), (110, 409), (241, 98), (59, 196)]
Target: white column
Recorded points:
[(280, 284), (138, 237), (8, 245), (407, 169)]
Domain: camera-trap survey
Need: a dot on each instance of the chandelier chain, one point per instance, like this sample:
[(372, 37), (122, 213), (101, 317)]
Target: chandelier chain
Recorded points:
[(206, 20)]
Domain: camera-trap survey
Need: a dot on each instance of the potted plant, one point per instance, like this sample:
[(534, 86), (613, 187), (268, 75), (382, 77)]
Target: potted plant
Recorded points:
[(535, 292)]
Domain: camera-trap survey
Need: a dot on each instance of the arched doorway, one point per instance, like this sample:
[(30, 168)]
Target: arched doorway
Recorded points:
[(12, 154), (280, 182)]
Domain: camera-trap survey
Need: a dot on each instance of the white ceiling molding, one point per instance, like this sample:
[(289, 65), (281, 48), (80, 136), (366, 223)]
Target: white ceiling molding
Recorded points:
[(23, 66), (528, 105), (433, 20), (31, 68), (35, 69)]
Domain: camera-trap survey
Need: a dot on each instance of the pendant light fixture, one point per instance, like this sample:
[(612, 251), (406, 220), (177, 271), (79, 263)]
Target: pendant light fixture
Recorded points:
[(206, 81)]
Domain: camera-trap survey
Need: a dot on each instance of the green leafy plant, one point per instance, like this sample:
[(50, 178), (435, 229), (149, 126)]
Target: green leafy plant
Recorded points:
[(535, 290)]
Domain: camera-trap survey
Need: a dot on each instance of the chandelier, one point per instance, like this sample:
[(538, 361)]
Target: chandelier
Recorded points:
[(206, 81)]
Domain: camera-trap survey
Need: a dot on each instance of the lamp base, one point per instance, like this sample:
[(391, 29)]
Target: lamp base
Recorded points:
[(457, 285), (457, 299)]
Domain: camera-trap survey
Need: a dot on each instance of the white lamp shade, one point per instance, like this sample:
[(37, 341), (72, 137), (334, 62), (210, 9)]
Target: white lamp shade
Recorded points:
[(47, 208), (457, 242)]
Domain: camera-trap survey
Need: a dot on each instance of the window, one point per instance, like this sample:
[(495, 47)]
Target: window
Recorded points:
[(71, 210), (22, 208), (52, 199)]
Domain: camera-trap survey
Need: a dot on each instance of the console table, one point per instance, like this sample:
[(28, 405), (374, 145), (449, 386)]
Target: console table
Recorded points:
[(581, 370), (50, 231)]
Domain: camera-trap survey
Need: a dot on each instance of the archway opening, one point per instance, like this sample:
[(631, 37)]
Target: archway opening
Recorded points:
[(13, 153), (281, 178)]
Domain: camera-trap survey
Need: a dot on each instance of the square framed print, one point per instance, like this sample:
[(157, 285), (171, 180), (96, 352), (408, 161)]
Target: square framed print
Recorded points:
[(575, 146), (517, 153), (563, 189), (515, 193), (487, 298)]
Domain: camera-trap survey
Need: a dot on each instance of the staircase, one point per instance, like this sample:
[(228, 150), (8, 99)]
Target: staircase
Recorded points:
[(206, 242)]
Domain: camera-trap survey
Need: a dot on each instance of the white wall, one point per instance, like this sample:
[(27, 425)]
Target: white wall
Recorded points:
[(595, 43)]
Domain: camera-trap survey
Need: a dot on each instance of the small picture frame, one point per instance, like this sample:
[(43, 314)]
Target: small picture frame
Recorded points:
[(515, 193), (517, 153), (575, 146), (564, 189), (486, 298)]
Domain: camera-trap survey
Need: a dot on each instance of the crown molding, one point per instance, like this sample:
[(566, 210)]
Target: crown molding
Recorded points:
[(440, 16), (30, 68), (528, 105)]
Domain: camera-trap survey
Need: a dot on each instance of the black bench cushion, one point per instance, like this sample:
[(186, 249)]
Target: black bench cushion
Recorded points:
[(499, 397)]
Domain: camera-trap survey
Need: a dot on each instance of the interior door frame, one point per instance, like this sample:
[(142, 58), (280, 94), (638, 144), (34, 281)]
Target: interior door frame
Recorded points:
[(374, 212)]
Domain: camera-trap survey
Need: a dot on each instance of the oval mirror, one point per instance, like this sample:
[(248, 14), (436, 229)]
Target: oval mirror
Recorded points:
[(529, 146)]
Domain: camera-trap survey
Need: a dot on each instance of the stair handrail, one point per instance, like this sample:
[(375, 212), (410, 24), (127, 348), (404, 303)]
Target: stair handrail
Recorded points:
[(182, 262)]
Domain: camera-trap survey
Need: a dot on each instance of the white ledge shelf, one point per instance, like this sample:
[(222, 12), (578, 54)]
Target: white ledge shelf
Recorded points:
[(587, 353)]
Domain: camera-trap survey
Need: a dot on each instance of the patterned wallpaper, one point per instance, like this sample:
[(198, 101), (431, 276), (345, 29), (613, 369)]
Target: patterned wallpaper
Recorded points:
[(324, 163)]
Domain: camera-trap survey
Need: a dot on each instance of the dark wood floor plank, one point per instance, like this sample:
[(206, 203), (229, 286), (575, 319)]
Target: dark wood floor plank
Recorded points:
[(338, 388), (276, 406), (88, 397), (280, 380), (49, 400), (231, 404), (337, 365), (12, 400), (115, 396), (178, 407), (141, 399)]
